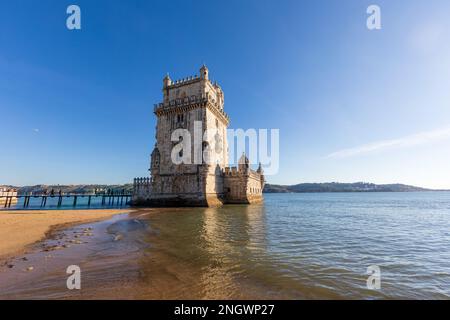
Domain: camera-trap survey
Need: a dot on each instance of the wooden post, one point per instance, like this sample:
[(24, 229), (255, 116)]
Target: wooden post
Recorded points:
[(74, 201), (89, 201)]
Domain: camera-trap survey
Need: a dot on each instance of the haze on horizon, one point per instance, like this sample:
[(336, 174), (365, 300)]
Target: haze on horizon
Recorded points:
[(351, 104)]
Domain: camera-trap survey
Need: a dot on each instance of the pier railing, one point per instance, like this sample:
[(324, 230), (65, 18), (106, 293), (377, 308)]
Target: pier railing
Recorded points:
[(110, 199)]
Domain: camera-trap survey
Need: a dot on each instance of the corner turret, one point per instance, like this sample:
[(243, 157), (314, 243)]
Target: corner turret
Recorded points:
[(260, 169), (167, 81), (204, 73), (244, 163)]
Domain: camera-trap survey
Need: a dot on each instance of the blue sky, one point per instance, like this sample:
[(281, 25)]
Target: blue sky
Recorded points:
[(351, 104)]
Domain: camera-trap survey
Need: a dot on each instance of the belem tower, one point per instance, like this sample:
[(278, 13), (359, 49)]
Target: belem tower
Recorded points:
[(195, 104)]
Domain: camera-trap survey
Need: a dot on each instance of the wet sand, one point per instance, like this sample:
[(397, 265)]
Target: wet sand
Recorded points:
[(105, 251), (20, 229), (147, 254)]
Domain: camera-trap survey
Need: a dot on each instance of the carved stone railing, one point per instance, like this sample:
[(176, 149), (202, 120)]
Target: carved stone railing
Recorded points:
[(141, 183), (203, 98), (184, 81)]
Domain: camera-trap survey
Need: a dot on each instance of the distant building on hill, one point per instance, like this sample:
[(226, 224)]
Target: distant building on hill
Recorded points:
[(7, 194)]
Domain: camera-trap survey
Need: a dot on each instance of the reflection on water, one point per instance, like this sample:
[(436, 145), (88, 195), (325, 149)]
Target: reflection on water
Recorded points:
[(203, 253), (292, 246)]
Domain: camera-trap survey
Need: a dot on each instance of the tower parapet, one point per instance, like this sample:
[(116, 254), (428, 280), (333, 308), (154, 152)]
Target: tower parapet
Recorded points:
[(190, 93)]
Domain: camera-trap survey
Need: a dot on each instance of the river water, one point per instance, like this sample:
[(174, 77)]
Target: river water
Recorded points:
[(294, 246)]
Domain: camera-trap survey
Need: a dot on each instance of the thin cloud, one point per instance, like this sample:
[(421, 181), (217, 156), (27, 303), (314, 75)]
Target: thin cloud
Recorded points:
[(408, 141), (36, 130)]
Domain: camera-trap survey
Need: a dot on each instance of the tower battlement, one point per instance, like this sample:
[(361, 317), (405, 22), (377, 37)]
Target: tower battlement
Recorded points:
[(182, 82), (190, 93), (192, 86)]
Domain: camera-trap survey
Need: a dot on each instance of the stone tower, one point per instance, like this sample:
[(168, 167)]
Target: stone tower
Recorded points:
[(196, 105)]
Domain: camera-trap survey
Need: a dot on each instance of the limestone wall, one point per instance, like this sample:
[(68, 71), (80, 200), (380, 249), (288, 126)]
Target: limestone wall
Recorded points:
[(242, 186), (166, 125), (217, 139), (254, 187), (235, 188), (141, 190)]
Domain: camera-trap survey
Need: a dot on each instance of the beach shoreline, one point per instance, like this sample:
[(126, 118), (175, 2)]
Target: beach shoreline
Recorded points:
[(21, 229)]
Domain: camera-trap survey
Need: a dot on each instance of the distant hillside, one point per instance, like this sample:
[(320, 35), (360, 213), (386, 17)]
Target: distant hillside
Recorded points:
[(340, 187), (269, 188)]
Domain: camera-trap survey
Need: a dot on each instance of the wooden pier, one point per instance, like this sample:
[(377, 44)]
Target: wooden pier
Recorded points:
[(111, 200)]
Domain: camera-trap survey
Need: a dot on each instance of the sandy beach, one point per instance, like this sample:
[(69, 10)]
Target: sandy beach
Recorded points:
[(18, 229)]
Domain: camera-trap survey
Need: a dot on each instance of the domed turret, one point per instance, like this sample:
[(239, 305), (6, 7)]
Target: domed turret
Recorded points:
[(260, 169), (204, 72), (167, 81), (155, 161), (244, 163)]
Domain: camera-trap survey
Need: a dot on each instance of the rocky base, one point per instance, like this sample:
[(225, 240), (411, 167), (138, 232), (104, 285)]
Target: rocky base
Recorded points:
[(248, 200), (179, 201), (211, 200)]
